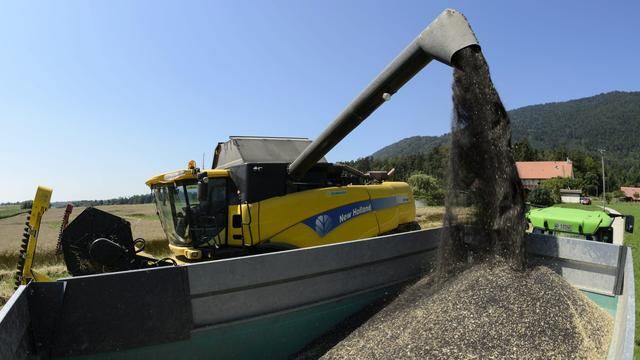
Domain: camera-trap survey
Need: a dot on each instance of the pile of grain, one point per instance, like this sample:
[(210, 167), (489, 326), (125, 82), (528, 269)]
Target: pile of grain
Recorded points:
[(488, 311)]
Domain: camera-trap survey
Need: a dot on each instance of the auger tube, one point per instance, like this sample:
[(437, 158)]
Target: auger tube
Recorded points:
[(447, 34)]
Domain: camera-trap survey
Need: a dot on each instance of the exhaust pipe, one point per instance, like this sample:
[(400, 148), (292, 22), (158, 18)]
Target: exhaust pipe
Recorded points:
[(447, 34)]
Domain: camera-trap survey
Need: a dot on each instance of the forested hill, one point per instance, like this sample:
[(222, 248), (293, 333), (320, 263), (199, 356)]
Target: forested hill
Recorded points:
[(610, 121), (411, 146)]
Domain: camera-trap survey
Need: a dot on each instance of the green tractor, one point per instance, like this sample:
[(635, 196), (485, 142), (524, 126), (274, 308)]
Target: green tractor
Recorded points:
[(591, 225)]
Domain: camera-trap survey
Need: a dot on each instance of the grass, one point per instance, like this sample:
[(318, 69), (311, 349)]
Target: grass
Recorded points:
[(47, 263), (10, 210)]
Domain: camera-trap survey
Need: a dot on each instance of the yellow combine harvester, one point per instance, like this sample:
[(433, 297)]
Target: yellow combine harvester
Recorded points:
[(248, 202)]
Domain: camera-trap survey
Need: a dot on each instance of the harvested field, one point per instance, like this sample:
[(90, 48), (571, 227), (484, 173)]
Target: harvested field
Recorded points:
[(433, 216), (488, 311), (143, 219), (10, 210), (429, 217)]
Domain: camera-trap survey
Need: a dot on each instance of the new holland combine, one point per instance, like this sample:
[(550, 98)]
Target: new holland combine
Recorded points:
[(262, 194), (250, 203)]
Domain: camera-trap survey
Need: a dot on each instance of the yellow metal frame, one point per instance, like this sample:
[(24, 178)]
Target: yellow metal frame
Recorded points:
[(41, 203), (185, 174), (171, 177)]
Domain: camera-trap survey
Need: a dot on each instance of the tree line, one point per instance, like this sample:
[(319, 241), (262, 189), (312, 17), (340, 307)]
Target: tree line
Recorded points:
[(427, 172), (123, 200)]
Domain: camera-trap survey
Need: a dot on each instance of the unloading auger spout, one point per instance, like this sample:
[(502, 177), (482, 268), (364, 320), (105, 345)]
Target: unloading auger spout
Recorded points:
[(447, 34)]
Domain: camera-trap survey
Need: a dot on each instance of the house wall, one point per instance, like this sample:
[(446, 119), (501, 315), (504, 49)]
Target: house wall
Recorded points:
[(570, 198), (530, 183)]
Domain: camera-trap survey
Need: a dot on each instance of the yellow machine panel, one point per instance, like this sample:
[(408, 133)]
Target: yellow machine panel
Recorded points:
[(247, 231), (329, 215), (280, 213), (395, 204)]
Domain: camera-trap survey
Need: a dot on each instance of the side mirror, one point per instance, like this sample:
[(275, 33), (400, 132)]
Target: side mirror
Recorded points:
[(628, 223)]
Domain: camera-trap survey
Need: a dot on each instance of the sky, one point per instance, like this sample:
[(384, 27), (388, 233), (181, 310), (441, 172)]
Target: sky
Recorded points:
[(98, 96)]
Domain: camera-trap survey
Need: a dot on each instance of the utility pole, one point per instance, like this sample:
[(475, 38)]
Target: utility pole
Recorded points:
[(604, 191)]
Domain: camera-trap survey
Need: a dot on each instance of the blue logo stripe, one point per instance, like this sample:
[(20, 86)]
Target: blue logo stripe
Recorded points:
[(391, 201), (324, 223)]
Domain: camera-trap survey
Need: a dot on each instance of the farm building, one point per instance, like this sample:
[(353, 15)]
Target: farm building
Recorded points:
[(532, 172), (569, 196), (631, 193)]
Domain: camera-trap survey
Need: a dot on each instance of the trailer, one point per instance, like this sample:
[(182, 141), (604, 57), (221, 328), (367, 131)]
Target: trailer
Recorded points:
[(229, 309), (272, 305)]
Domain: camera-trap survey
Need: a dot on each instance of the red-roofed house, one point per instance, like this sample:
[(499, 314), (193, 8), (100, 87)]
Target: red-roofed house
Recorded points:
[(631, 193), (532, 172)]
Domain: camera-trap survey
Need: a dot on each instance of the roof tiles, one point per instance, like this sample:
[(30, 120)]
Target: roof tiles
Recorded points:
[(544, 169)]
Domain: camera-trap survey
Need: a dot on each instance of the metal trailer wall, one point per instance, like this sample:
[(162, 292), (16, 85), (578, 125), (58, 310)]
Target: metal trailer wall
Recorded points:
[(618, 227), (109, 312), (15, 337), (623, 338), (588, 265), (265, 283)]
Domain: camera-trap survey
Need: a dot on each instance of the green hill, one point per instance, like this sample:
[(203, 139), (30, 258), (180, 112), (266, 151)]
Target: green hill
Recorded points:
[(411, 146), (610, 121)]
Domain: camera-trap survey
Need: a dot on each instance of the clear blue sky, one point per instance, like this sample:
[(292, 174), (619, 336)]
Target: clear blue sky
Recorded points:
[(97, 96)]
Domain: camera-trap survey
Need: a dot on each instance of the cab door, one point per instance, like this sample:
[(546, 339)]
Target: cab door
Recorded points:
[(235, 236), (217, 203), (243, 225)]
